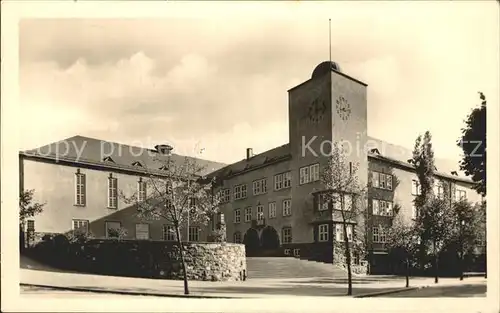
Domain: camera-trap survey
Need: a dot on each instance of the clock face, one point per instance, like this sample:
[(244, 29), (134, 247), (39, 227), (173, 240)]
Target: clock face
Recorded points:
[(317, 110), (343, 108)]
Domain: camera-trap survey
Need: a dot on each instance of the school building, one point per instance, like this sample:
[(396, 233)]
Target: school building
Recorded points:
[(271, 199)]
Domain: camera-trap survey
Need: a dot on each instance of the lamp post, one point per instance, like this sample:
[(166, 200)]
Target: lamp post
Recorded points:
[(462, 223)]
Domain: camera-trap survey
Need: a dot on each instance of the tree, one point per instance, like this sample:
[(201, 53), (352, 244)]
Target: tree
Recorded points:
[(345, 195), (473, 144), (27, 208), (178, 195), (434, 214), (403, 237), (469, 227)]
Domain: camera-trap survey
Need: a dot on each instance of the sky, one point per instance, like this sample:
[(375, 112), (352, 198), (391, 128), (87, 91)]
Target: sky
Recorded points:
[(220, 82)]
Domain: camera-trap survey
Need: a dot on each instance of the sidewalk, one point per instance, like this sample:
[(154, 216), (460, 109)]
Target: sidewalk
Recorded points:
[(252, 288)]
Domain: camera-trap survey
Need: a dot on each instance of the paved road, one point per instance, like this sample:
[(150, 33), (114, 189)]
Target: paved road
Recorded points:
[(468, 290)]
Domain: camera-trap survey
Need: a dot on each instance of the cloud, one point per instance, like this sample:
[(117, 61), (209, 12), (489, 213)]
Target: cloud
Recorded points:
[(224, 82)]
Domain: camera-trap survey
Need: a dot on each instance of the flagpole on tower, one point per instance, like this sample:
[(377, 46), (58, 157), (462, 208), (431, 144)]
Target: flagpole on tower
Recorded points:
[(330, 38)]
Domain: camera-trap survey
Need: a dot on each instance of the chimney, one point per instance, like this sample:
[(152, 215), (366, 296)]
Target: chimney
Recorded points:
[(164, 149), (249, 153)]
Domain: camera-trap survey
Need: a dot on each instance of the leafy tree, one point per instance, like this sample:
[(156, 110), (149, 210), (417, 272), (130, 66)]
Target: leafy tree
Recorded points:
[(403, 237), (344, 195), (28, 208), (434, 214), (465, 228), (178, 195), (473, 144)]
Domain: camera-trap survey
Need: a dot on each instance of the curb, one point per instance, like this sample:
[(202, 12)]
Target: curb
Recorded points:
[(122, 292), (373, 294), (386, 292)]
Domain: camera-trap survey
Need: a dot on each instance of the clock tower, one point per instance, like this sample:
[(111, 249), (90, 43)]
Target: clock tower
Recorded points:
[(329, 107)]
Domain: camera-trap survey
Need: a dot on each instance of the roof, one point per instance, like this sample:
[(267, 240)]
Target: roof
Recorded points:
[(390, 153), (91, 151), (278, 154)]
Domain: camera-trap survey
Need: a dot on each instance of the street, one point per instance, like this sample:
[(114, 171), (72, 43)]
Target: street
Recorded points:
[(253, 288), (468, 290)]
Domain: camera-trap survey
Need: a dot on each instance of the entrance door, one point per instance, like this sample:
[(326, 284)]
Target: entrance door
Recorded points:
[(251, 241), (270, 239)]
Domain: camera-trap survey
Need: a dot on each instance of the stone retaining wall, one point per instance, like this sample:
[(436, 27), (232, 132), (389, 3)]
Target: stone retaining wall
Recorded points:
[(146, 258)]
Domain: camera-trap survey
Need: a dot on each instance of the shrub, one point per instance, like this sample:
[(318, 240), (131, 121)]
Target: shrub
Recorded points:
[(117, 233), (219, 235), (79, 236)]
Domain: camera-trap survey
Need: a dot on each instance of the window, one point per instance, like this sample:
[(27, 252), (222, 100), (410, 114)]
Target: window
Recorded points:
[(415, 187), (381, 180), (141, 190), (112, 228), (339, 232), (237, 215), (440, 192), (381, 207), (287, 207), (240, 192), (389, 187), (460, 195), (248, 214), (112, 192), (260, 186), (80, 189), (194, 233), (260, 212), (379, 235), (414, 211), (282, 181), (287, 180), (342, 202), (142, 231), (286, 234), (237, 237), (376, 179), (323, 232), (375, 233), (221, 219), (272, 210), (382, 235), (287, 251), (347, 199), (309, 174), (296, 252), (82, 225), (224, 195), (349, 233), (31, 226), (323, 203), (168, 232), (337, 202)]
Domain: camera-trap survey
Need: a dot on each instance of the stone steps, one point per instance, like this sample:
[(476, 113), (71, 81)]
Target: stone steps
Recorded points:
[(289, 267)]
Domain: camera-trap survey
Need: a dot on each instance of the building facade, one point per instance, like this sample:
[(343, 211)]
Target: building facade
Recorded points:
[(85, 183), (270, 199)]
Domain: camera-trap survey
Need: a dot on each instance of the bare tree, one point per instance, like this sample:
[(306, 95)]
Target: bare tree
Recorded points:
[(178, 194), (345, 195)]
